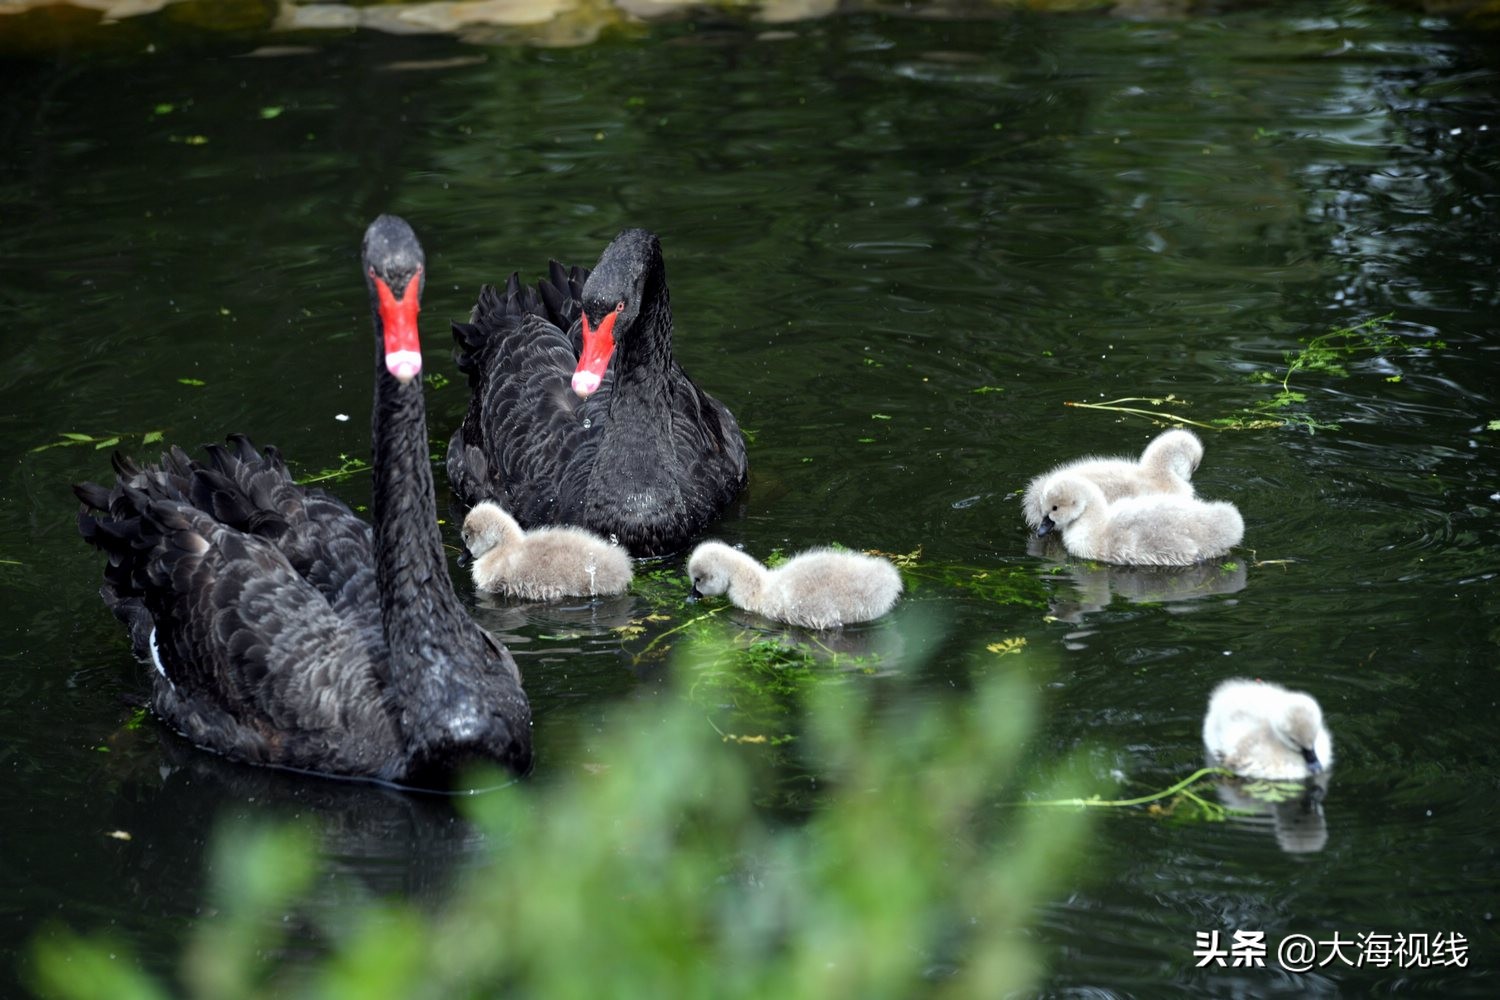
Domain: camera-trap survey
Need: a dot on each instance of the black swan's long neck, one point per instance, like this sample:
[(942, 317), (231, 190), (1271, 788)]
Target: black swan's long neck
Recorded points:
[(421, 613), (635, 488), (645, 360)]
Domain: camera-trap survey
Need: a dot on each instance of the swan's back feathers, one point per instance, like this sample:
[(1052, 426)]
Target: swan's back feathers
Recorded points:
[(552, 562), (827, 587), (1151, 530), (562, 295), (247, 656), (557, 301), (711, 438), (818, 588), (320, 537), (1168, 531)]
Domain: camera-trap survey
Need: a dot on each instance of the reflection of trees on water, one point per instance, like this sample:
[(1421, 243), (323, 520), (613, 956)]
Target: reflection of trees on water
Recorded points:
[(539, 22)]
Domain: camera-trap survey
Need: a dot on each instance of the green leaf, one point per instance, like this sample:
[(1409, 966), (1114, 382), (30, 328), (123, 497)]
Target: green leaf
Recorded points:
[(271, 111), (74, 436), (106, 443), (192, 381), (73, 967), (151, 437)]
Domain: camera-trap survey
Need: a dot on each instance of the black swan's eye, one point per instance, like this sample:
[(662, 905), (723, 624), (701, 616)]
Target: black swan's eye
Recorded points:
[(619, 307)]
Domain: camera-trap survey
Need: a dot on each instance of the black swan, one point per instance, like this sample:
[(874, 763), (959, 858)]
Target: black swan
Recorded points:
[(578, 413), (280, 627)]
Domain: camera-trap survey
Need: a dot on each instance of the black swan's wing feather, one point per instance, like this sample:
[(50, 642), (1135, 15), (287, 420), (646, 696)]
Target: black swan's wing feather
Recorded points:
[(708, 443), (320, 539), (324, 541), (247, 656), (562, 295)]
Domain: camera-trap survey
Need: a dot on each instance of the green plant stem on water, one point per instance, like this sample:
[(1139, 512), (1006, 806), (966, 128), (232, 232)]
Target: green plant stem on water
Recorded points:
[(1326, 353), (636, 658), (1182, 787), (347, 470), (1113, 406)]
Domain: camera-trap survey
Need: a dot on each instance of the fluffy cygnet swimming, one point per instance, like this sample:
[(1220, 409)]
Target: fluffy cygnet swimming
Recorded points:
[(1262, 730), (543, 563), (819, 588), (1154, 530), (1166, 466)]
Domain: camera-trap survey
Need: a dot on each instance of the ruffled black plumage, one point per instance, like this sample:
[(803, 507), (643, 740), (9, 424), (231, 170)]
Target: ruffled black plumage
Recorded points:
[(648, 459), (280, 627)]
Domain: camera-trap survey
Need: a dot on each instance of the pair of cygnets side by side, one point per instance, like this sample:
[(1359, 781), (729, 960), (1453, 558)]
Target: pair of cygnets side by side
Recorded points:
[(819, 588), (1135, 513), (1262, 730)]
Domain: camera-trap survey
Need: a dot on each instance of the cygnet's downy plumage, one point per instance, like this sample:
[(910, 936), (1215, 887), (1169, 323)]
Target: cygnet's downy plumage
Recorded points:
[(1262, 730), (1166, 466), (1154, 530), (818, 588), (541, 564)]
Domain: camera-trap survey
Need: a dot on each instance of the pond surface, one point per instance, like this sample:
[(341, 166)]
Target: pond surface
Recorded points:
[(898, 247)]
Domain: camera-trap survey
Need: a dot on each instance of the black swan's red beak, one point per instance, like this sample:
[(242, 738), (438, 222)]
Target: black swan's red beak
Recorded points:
[(598, 345), (398, 321)]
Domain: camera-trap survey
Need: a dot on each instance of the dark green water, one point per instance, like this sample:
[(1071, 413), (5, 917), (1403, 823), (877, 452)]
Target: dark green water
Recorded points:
[(866, 219)]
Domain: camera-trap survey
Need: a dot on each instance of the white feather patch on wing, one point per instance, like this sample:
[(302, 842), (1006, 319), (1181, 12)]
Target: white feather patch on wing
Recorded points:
[(156, 658)]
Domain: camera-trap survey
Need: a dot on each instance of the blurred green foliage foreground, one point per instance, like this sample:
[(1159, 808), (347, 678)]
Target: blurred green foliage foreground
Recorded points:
[(660, 876)]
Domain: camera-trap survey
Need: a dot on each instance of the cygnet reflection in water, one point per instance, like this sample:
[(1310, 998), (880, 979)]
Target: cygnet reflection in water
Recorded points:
[(1097, 585), (1294, 812)]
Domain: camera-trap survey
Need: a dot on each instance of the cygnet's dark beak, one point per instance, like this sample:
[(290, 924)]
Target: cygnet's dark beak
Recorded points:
[(1046, 526), (1314, 766), (693, 596), (464, 557)]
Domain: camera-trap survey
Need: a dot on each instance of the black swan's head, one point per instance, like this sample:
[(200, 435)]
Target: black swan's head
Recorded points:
[(395, 273), (629, 280), (466, 731)]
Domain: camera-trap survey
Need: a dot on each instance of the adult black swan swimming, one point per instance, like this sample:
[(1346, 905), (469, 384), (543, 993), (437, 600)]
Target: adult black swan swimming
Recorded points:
[(579, 414), (282, 629)]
